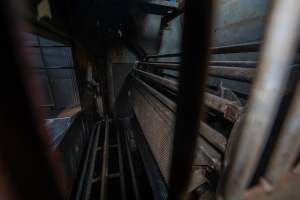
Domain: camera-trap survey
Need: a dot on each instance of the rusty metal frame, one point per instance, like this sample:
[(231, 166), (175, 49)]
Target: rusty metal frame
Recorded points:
[(228, 72), (170, 84), (236, 48), (287, 187), (288, 144), (230, 110), (279, 48)]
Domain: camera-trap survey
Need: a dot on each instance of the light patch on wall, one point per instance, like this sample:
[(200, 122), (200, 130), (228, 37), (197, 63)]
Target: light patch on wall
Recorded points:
[(44, 10)]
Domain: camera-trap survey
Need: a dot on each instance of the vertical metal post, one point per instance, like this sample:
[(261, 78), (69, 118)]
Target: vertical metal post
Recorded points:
[(26, 159), (288, 144), (104, 173), (196, 42), (279, 48), (110, 84), (91, 169)]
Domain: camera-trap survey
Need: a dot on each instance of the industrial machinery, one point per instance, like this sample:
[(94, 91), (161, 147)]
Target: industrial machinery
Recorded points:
[(150, 99)]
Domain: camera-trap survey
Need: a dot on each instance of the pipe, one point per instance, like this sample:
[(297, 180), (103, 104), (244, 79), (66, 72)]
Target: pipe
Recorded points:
[(277, 54), (236, 48), (288, 143), (228, 108), (234, 73), (104, 173)]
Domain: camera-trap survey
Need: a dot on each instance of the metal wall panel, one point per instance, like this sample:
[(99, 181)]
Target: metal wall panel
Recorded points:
[(53, 64), (57, 56)]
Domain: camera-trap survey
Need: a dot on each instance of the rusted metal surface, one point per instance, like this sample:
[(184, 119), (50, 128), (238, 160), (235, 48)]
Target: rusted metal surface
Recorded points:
[(166, 101), (157, 123), (212, 157), (278, 51), (288, 144), (287, 187), (235, 73), (173, 85), (69, 112), (211, 135), (230, 109), (158, 185), (207, 156)]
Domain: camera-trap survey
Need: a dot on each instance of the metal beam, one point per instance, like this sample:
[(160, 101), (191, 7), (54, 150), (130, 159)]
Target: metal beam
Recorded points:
[(234, 73), (236, 48), (195, 45), (172, 85)]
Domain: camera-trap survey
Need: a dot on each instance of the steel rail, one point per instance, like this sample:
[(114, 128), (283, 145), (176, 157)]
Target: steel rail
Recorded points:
[(228, 72), (91, 144), (170, 84), (228, 108), (92, 164), (104, 173), (236, 48)]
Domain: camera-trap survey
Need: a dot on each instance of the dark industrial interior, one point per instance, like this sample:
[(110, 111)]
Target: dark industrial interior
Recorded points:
[(150, 100)]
